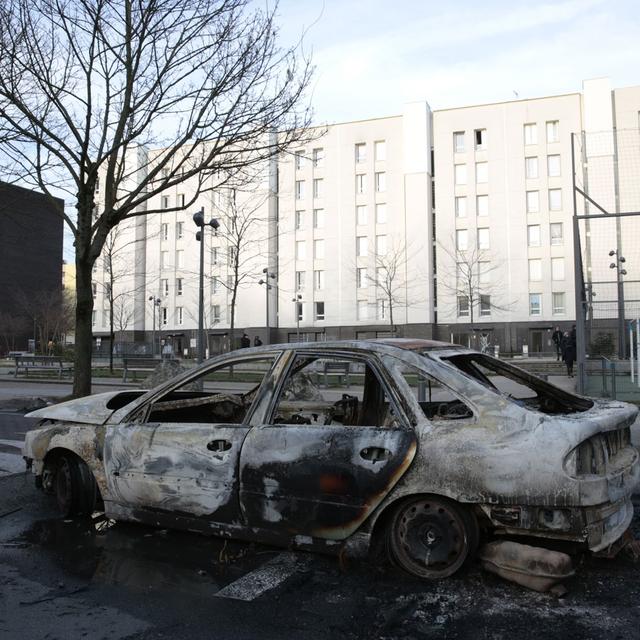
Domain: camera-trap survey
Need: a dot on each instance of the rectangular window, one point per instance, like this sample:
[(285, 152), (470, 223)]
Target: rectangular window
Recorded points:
[(556, 233), (362, 310), (105, 317), (299, 189), (164, 315), (483, 238), (179, 259), (533, 201), (318, 187), (555, 199), (361, 153), (319, 310), (178, 286), (480, 136), (361, 183), (484, 272), (164, 259), (531, 133), (318, 280), (558, 303), (482, 205), (485, 305), (164, 287), (361, 215), (94, 289), (214, 255), (535, 304), (180, 200), (216, 284), (533, 235), (361, 246), (482, 172), (382, 309), (553, 166), (553, 131), (458, 141), (462, 240), (463, 306), (299, 159), (460, 174), (461, 206), (215, 312), (233, 252), (535, 270), (300, 280), (300, 311), (318, 249), (531, 167), (179, 315), (381, 181), (380, 150), (318, 218), (299, 220), (318, 157), (165, 202), (557, 268), (164, 231), (180, 230), (381, 213), (230, 282), (381, 245), (301, 250), (361, 278), (94, 313)]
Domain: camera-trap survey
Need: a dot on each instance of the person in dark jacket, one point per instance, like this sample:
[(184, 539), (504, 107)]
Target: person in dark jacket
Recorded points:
[(568, 352), (257, 342), (245, 341), (556, 336)]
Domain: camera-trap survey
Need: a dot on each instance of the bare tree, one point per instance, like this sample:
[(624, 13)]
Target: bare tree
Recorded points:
[(12, 326), (87, 87)]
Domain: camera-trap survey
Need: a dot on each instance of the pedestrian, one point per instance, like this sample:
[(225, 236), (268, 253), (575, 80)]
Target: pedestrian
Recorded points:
[(257, 342), (557, 341), (245, 341), (568, 352)]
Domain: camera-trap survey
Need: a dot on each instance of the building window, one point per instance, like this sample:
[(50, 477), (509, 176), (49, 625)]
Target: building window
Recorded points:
[(318, 249), (318, 157), (462, 240), (318, 218), (94, 289), (180, 230), (164, 231), (535, 270), (164, 259), (301, 250), (533, 201), (381, 213), (482, 172), (361, 183), (164, 315), (216, 284), (531, 133), (299, 220), (319, 310), (299, 311), (299, 189), (361, 153), (553, 131), (485, 305), (94, 314), (533, 235), (531, 167), (482, 205), (362, 310), (178, 286), (318, 280), (381, 245), (299, 159), (215, 312), (165, 202), (558, 303), (381, 181), (460, 174), (361, 215), (463, 306), (555, 199), (105, 317), (553, 166), (556, 233), (180, 200), (458, 141), (300, 280), (214, 255), (461, 206), (361, 246), (480, 136), (164, 287), (382, 309), (230, 282), (535, 304), (483, 238), (361, 278), (380, 150), (557, 268), (179, 259), (179, 315), (318, 187), (484, 272)]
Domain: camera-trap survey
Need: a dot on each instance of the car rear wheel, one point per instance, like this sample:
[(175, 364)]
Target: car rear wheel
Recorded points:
[(431, 537), (75, 487)]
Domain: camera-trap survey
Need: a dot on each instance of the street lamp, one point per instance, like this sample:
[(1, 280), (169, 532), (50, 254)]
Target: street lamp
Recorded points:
[(155, 302), (267, 275), (198, 219), (297, 300), (620, 272)]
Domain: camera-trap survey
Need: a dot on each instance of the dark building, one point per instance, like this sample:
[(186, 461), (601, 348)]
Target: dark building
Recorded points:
[(31, 228)]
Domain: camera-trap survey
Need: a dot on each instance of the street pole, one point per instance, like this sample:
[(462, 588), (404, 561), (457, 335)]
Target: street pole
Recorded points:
[(155, 302), (267, 286), (297, 300), (620, 272)]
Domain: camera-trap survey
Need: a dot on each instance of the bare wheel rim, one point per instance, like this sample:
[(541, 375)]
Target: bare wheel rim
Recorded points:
[(430, 538)]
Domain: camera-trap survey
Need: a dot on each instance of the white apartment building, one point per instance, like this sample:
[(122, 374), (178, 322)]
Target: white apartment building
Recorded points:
[(349, 226)]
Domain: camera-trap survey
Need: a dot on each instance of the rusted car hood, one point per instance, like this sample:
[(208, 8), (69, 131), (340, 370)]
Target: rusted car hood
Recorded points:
[(87, 410)]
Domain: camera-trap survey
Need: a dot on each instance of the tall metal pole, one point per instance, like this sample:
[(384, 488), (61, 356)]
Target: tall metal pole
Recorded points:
[(200, 237), (266, 291)]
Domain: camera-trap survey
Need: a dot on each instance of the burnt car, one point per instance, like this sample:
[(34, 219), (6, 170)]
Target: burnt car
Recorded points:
[(330, 446)]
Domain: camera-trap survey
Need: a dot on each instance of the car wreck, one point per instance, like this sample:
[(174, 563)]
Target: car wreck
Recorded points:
[(331, 446)]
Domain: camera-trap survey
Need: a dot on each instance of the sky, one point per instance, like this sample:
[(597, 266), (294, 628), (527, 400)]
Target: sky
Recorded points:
[(373, 56)]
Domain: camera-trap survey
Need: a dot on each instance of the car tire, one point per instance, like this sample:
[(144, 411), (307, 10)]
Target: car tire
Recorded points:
[(75, 487), (431, 537)]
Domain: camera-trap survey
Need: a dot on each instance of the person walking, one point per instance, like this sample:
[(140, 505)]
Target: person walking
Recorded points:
[(245, 341), (556, 336), (568, 352)]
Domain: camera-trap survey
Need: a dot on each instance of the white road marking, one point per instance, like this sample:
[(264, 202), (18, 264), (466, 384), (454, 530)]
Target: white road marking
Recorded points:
[(13, 443), (267, 577)]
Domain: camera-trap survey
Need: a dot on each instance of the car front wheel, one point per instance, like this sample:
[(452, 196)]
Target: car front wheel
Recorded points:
[(75, 487)]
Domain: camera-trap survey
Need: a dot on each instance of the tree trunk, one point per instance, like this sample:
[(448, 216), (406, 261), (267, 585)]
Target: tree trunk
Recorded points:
[(84, 332)]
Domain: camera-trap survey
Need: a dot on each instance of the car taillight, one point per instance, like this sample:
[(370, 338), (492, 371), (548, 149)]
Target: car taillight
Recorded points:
[(591, 456)]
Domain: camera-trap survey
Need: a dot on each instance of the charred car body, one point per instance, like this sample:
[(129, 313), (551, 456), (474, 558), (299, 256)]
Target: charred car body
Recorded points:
[(330, 445)]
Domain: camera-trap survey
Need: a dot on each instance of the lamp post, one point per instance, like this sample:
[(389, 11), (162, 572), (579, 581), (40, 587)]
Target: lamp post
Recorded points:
[(198, 219), (620, 271), (267, 274), (297, 300), (155, 302)]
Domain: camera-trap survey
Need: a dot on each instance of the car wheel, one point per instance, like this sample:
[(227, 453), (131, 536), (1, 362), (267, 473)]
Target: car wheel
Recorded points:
[(432, 537), (75, 487)]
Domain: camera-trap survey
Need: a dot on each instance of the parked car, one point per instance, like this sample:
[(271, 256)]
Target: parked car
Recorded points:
[(330, 446)]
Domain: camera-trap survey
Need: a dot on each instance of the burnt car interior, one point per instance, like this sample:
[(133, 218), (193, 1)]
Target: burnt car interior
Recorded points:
[(333, 391), (521, 387)]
